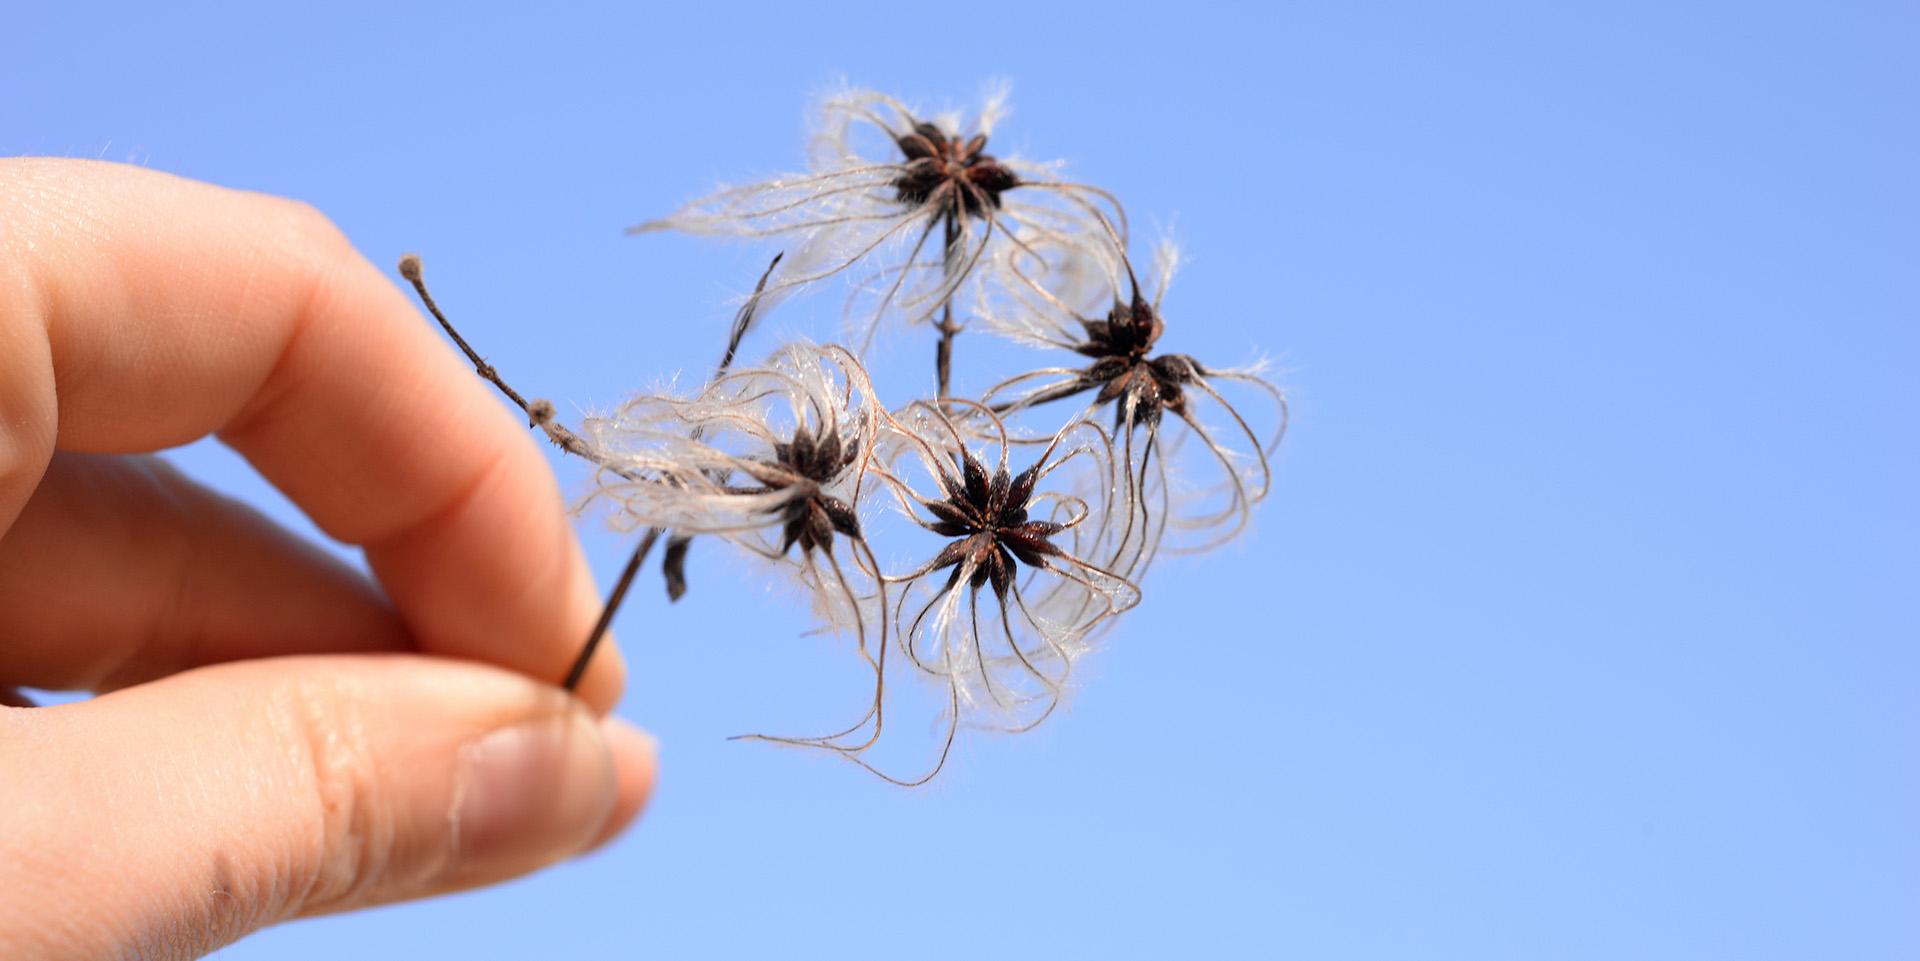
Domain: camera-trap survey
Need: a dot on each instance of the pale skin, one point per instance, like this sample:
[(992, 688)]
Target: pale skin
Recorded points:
[(276, 735)]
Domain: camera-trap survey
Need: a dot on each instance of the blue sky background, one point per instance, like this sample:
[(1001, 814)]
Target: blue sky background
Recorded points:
[(1582, 622)]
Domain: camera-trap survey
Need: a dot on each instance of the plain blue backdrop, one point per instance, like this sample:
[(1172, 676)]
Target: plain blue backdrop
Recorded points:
[(1581, 624)]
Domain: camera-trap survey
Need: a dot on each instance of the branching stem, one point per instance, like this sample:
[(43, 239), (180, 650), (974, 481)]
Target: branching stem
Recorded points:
[(540, 414), (943, 351)]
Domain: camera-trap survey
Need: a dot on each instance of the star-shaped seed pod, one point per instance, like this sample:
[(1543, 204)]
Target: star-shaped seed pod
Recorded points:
[(988, 519), (1024, 298), (767, 457), (771, 459), (1015, 538), (1139, 385), (812, 519), (943, 169), (803, 468), (886, 180)]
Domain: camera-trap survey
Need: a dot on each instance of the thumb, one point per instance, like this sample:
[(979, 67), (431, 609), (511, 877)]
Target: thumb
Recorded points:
[(168, 819)]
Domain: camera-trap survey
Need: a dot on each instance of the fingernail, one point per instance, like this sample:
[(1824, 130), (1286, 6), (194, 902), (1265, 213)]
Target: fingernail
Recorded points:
[(530, 794)]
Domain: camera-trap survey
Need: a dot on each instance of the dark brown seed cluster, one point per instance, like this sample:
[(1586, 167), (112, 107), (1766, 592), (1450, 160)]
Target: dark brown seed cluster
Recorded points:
[(1144, 386), (988, 518), (955, 173), (810, 521)]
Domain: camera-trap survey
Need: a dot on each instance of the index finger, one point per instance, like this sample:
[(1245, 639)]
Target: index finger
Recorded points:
[(140, 310)]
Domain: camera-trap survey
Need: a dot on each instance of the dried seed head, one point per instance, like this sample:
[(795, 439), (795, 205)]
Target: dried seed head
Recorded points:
[(812, 517), (1143, 386), (778, 446), (960, 175), (1023, 298), (1019, 600), (989, 518), (902, 207)]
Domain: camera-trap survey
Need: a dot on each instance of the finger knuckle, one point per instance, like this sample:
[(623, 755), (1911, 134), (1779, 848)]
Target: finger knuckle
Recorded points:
[(349, 835), (307, 228)]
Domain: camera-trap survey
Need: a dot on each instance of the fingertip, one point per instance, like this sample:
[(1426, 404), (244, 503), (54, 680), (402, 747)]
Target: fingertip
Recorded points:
[(319, 784), (636, 765)]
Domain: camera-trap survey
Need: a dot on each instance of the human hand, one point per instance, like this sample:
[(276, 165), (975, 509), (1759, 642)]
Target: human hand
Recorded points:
[(277, 737)]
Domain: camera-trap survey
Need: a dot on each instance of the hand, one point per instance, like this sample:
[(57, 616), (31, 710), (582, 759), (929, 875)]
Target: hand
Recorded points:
[(277, 736)]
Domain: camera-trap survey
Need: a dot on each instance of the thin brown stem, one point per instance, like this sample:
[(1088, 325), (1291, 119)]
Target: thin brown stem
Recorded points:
[(943, 351), (540, 414), (673, 567), (640, 551)]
